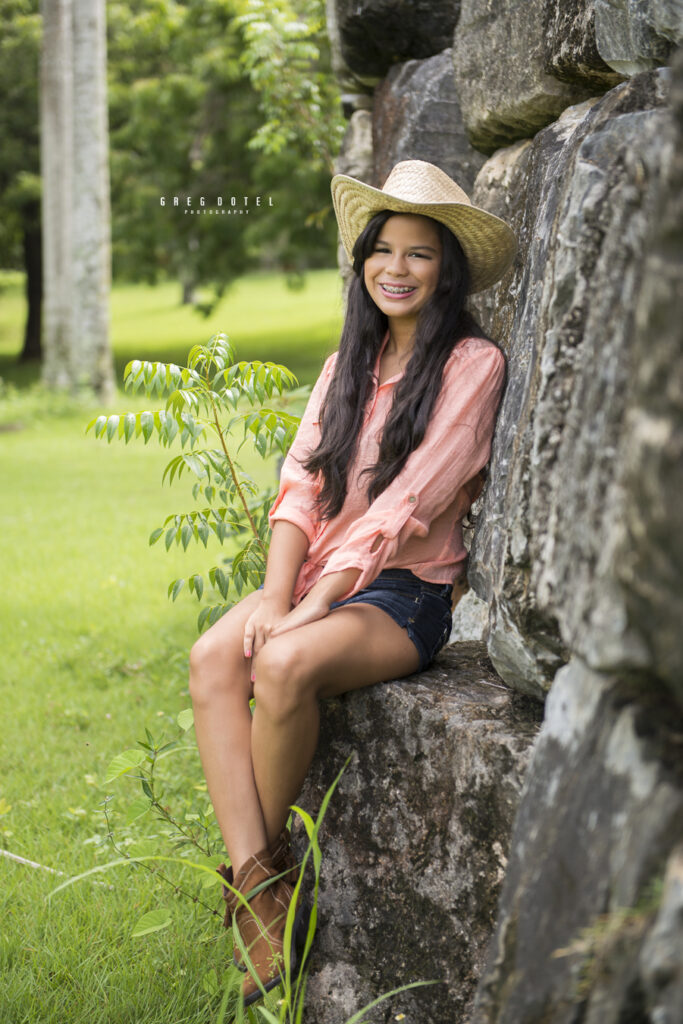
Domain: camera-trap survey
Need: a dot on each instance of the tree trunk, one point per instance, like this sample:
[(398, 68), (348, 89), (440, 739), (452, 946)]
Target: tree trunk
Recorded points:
[(76, 218), (56, 157), (33, 248), (189, 293), (92, 227)]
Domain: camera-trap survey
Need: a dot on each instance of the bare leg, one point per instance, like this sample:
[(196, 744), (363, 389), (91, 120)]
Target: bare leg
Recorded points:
[(220, 685), (352, 647)]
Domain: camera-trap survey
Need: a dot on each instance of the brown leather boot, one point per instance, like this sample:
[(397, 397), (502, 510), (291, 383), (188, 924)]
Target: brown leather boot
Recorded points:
[(263, 935), (262, 930)]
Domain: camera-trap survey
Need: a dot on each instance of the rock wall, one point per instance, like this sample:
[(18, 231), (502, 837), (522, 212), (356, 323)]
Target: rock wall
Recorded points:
[(566, 119), (415, 838)]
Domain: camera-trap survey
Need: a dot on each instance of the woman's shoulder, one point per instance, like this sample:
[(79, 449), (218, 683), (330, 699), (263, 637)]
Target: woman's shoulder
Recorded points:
[(325, 375), (475, 343), (329, 364), (474, 346)]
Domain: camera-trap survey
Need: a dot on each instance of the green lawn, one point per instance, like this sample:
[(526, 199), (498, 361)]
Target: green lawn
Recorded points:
[(263, 318), (93, 652)]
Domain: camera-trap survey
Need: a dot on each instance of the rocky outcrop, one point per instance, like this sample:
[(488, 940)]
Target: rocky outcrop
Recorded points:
[(590, 926), (637, 35), (581, 196), (355, 159), (504, 72), (570, 50), (661, 956), (600, 818), (417, 116), (648, 549), (415, 838), (374, 34)]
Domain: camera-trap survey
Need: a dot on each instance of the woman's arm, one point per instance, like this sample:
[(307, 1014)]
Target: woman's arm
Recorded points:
[(316, 604), (288, 547), (293, 520), (296, 498)]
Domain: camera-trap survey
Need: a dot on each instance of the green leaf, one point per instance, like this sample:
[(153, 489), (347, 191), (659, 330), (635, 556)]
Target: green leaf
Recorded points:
[(153, 921), (123, 763), (195, 465), (270, 1017), (147, 424), (202, 617), (210, 983), (112, 426), (221, 582), (100, 424), (154, 536), (137, 808), (185, 719), (175, 588), (128, 426)]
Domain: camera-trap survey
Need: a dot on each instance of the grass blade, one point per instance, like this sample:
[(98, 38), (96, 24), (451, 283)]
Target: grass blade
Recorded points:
[(357, 1017)]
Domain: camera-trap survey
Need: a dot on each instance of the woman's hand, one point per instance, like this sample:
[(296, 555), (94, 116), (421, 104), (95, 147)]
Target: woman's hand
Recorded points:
[(316, 604), (260, 624), (310, 609)]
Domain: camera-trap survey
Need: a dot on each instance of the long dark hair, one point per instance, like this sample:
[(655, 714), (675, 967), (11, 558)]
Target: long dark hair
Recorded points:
[(442, 322)]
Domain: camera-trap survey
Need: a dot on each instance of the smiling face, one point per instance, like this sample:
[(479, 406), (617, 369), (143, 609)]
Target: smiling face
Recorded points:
[(402, 272)]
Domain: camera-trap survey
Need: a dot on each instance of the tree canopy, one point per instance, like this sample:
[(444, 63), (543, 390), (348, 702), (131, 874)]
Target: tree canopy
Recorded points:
[(226, 98), (206, 98)]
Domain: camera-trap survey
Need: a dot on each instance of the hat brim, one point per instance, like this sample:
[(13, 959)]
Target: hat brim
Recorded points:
[(488, 242)]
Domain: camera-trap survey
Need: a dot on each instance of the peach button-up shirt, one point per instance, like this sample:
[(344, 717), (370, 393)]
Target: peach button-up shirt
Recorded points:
[(416, 522)]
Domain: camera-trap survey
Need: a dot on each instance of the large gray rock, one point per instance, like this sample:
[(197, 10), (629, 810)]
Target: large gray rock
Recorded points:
[(570, 51), (648, 550), (578, 937), (356, 159), (582, 197), (352, 83), (417, 117), (502, 75), (374, 34), (661, 956), (415, 839), (470, 619), (636, 35)]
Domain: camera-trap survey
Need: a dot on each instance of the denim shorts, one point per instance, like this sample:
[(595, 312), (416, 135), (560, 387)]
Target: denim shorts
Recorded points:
[(423, 609)]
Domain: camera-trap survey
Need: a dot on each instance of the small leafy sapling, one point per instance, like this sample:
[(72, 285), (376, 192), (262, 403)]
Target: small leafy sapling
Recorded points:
[(235, 508)]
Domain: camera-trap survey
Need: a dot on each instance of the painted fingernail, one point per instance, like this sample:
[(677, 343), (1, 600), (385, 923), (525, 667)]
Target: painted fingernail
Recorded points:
[(247, 654), (253, 678)]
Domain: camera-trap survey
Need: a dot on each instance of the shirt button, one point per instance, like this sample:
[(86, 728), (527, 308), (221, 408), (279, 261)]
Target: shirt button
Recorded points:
[(412, 498)]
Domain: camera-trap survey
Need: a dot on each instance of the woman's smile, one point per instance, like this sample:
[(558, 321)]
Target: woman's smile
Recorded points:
[(396, 291), (402, 272)]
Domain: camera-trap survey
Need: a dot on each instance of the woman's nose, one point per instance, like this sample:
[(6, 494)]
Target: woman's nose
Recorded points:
[(397, 263)]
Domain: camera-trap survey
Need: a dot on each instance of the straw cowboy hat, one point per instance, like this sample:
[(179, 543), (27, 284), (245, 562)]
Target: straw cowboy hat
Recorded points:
[(415, 186)]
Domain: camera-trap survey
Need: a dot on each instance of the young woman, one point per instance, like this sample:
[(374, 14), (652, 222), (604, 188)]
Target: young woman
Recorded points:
[(366, 528)]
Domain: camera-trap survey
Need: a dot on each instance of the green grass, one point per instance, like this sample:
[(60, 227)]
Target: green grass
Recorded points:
[(263, 318), (93, 652)]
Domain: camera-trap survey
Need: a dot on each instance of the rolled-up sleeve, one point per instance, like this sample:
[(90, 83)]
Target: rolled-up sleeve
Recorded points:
[(298, 491), (456, 446)]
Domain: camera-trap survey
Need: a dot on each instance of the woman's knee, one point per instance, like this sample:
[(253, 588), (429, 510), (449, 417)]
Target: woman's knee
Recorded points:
[(282, 682), (217, 666)]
